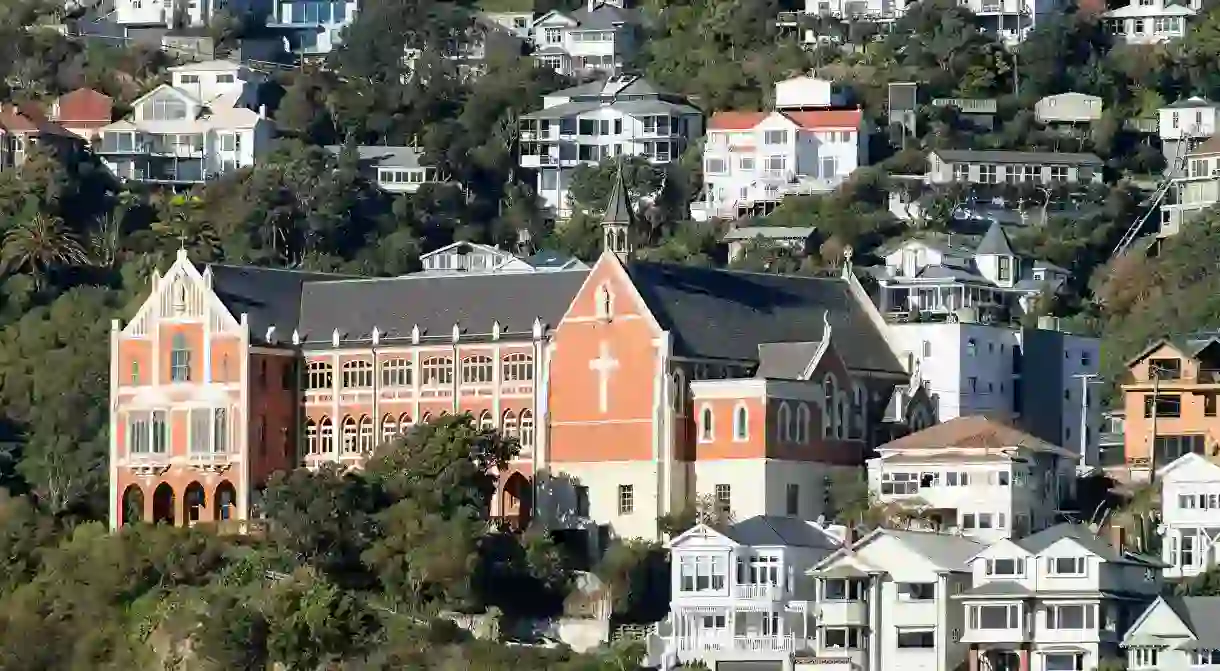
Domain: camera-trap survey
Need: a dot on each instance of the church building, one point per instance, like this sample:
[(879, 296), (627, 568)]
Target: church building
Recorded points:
[(634, 388)]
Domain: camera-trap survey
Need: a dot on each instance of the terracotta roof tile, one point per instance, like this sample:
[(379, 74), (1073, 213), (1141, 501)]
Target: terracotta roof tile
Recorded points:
[(736, 120), (826, 118), (84, 106), (971, 432), (30, 119)]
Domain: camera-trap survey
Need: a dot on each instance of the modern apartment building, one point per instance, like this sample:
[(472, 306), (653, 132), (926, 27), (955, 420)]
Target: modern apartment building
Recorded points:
[(624, 115), (885, 603), (1059, 600), (741, 593), (975, 475), (1170, 403), (201, 125)]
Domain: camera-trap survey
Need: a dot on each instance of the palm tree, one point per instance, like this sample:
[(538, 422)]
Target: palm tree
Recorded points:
[(40, 245)]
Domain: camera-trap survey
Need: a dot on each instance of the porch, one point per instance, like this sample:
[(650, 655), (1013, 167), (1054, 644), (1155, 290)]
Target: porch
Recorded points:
[(998, 657), (710, 633)]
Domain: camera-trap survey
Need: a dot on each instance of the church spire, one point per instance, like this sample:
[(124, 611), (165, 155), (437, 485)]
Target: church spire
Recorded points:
[(616, 222)]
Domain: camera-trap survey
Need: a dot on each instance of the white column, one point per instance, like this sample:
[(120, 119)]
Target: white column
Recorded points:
[(336, 421), (115, 507), (243, 446)]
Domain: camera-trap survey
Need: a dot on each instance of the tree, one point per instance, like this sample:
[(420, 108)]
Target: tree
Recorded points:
[(40, 245), (704, 510)]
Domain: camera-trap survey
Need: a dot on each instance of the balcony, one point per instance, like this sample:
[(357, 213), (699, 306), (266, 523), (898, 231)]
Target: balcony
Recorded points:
[(759, 644), (843, 612), (759, 592)]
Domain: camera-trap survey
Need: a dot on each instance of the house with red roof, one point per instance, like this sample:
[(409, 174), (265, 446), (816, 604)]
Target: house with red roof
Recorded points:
[(23, 126), (84, 112), (808, 144)]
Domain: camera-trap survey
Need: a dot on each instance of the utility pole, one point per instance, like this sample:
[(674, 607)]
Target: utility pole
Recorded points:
[(1155, 372), (1085, 380)]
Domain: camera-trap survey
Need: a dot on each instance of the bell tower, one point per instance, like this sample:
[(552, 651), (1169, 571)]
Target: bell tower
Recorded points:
[(618, 219)]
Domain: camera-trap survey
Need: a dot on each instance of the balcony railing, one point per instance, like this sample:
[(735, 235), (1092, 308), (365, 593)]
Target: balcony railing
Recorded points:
[(766, 592), (741, 643)]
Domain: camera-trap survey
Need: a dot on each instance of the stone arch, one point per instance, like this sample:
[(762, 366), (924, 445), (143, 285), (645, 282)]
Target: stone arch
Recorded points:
[(132, 506), (163, 504), (194, 503), (224, 503), (516, 502)]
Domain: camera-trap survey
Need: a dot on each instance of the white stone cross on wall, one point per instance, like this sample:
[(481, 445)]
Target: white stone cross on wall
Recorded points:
[(604, 365)]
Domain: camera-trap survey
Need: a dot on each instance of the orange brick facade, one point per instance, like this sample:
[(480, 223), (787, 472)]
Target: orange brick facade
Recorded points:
[(206, 405), (1171, 400)]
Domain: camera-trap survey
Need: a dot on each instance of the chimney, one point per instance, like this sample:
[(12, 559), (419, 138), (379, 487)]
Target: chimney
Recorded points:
[(262, 111)]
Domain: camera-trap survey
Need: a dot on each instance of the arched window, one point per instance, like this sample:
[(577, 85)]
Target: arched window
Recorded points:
[(477, 370), (527, 429), (518, 368), (160, 432), (783, 421), (326, 430), (179, 359), (426, 418), (828, 406), (509, 424), (357, 374), (841, 416), (389, 428), (396, 373), (707, 424), (318, 375), (679, 392), (437, 371), (404, 423), (860, 423), (741, 423), (311, 437), (605, 302), (368, 437), (195, 501), (349, 435), (802, 424), (486, 422)]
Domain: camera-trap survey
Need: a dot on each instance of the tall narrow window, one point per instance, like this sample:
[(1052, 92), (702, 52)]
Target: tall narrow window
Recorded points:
[(829, 418), (221, 430), (389, 428), (802, 424), (327, 433), (486, 422), (707, 429), (368, 439), (311, 437), (741, 423), (160, 432), (349, 435), (179, 359), (509, 424), (135, 372), (783, 422), (137, 433), (527, 429)]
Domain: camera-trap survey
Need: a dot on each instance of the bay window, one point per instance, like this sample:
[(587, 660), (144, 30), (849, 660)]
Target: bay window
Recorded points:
[(843, 589), (995, 617), (701, 573), (1071, 616)]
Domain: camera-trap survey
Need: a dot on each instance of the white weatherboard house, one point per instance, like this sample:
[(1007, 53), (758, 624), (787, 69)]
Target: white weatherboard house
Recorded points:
[(976, 475), (1054, 601), (741, 593), (884, 603), (1175, 633), (1190, 515)]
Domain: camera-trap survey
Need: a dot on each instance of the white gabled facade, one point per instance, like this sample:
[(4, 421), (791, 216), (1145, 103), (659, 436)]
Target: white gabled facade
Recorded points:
[(741, 593), (600, 37), (1175, 633), (1190, 515), (1055, 601), (884, 603), (977, 476), (1149, 21)]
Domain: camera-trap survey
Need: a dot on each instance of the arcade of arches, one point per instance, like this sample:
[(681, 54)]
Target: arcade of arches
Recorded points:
[(194, 503)]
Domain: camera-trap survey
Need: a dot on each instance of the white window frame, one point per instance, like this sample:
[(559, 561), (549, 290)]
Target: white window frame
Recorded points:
[(741, 423)]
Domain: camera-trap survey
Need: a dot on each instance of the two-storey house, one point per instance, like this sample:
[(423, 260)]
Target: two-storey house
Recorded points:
[(1194, 188), (313, 27), (1190, 515), (1148, 21), (937, 279), (1025, 374), (1182, 126), (599, 37), (1011, 20), (884, 603), (624, 115), (741, 593), (1059, 600), (751, 160), (22, 127), (1011, 167), (1170, 403), (977, 475), (881, 12), (84, 112), (1175, 632), (137, 14), (201, 125)]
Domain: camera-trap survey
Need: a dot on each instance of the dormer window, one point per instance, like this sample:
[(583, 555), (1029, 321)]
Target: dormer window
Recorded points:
[(1006, 567)]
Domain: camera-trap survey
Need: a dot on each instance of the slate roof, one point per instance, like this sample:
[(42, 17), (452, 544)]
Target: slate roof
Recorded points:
[(1032, 157), (435, 303), (777, 530), (268, 296), (604, 17), (785, 360), (973, 432), (995, 242), (1087, 539), (769, 233), (1191, 102), (948, 552), (386, 157), (999, 588), (1200, 613), (724, 314)]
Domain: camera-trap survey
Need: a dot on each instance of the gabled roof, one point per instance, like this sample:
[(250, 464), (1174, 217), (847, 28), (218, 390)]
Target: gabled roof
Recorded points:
[(184, 95), (1004, 157), (84, 106), (1190, 103), (974, 432), (781, 531), (1201, 614), (947, 552), (269, 296), (30, 119), (1190, 458), (385, 157), (1189, 345), (808, 120), (435, 303), (1087, 539), (995, 242), (724, 314), (1135, 10)]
